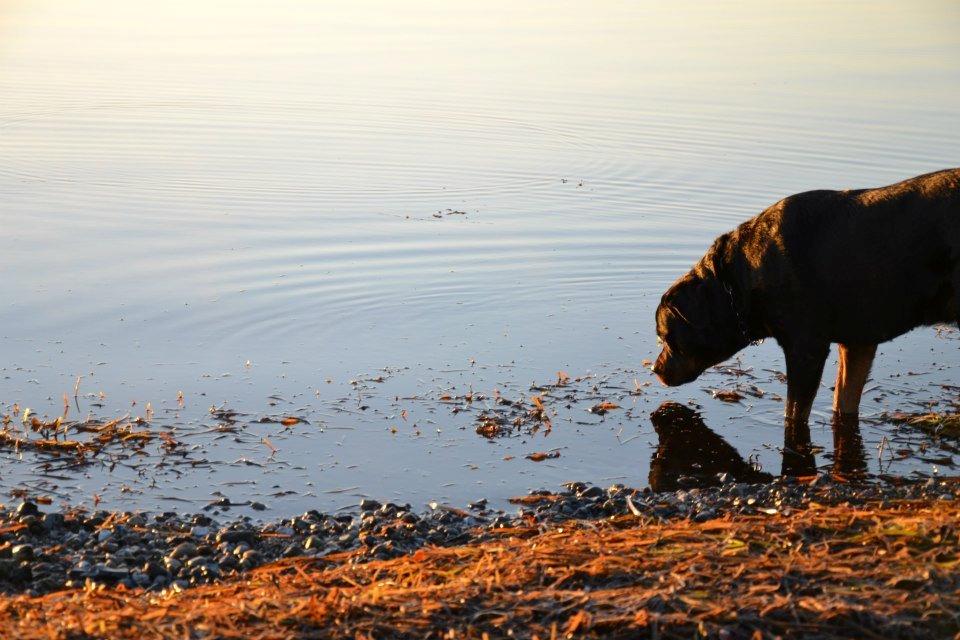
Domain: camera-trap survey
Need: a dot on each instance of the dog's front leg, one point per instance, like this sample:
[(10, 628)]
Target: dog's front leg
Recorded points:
[(805, 360), (804, 369), (798, 459)]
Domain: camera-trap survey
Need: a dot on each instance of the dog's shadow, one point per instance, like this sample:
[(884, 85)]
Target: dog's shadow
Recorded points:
[(689, 454)]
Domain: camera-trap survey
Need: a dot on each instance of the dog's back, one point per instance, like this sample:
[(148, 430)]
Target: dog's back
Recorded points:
[(872, 263)]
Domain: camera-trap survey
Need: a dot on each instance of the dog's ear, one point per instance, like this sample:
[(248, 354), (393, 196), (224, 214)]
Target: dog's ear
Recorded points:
[(672, 308), (707, 301), (691, 302), (716, 257)]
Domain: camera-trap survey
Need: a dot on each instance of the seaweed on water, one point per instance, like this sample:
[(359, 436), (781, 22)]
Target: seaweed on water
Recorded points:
[(79, 440), (940, 425)]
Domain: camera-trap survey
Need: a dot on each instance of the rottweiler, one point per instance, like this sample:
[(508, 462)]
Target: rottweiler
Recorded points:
[(856, 267)]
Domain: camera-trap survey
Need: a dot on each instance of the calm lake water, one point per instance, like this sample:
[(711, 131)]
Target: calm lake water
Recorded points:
[(258, 203)]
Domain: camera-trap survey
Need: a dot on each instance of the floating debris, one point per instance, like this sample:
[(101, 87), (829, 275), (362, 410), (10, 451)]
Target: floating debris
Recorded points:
[(727, 395), (940, 425), (603, 407), (55, 437), (540, 456), (489, 426)]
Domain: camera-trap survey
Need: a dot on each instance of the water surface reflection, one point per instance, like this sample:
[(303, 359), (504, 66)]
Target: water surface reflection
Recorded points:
[(689, 453), (261, 204)]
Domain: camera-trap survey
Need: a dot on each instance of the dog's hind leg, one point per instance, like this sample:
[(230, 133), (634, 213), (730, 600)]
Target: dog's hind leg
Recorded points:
[(852, 372)]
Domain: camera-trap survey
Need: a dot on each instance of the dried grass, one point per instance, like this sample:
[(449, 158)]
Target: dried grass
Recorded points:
[(944, 425), (881, 570)]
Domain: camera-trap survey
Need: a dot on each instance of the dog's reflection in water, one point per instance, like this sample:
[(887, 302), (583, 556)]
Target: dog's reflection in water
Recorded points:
[(849, 456), (689, 454)]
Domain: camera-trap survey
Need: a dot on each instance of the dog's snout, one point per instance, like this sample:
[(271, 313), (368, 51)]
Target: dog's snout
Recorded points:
[(659, 368), (658, 364)]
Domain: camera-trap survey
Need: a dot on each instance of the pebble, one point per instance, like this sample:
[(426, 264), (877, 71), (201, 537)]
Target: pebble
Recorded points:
[(251, 559), (27, 508), (369, 505), (591, 493), (52, 521), (153, 569), (184, 550), (22, 552), (103, 573), (237, 535)]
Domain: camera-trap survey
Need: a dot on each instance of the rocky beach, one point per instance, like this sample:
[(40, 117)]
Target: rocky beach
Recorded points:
[(194, 577)]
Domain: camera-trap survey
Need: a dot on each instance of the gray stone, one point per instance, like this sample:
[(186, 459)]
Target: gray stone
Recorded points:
[(237, 535), (22, 552), (184, 550), (52, 521), (27, 508), (369, 505)]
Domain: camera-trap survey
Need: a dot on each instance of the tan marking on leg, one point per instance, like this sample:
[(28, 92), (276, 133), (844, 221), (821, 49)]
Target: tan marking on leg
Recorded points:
[(852, 372)]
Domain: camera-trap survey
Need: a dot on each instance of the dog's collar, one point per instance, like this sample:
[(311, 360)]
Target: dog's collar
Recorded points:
[(741, 323)]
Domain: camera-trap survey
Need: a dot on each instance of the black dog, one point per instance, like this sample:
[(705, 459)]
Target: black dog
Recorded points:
[(853, 267)]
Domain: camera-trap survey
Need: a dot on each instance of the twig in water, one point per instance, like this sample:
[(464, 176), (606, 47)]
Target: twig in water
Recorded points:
[(76, 392), (880, 448)]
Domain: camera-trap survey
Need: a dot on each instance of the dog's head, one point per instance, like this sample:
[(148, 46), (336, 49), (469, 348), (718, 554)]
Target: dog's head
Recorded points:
[(697, 327)]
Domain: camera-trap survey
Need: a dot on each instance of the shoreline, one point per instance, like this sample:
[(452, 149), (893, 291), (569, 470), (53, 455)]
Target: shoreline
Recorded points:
[(833, 567), (714, 547), (43, 551)]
